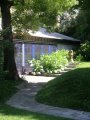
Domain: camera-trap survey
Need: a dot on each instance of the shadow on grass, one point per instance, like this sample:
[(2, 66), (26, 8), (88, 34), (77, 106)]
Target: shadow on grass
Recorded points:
[(70, 90), (76, 81), (7, 89), (9, 113)]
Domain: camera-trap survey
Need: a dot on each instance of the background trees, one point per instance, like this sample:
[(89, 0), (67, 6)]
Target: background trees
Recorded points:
[(37, 13), (79, 27)]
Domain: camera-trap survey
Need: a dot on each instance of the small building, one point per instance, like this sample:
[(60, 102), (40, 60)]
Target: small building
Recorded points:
[(39, 43)]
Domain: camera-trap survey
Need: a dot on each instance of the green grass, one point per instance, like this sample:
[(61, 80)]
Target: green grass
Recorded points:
[(70, 90), (84, 65), (9, 113), (7, 89)]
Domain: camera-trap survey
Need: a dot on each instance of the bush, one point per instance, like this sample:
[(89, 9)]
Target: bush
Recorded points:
[(52, 63), (85, 50), (79, 58)]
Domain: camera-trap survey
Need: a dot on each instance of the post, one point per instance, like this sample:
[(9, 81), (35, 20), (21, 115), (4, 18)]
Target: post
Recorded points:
[(23, 58), (42, 52), (49, 49), (33, 51)]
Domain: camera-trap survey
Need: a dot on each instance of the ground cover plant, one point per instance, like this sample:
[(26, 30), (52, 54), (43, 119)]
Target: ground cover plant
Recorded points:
[(70, 90)]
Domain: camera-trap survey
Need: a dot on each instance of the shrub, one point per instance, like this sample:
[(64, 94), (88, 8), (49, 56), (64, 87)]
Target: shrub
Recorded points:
[(79, 58), (85, 50), (51, 63)]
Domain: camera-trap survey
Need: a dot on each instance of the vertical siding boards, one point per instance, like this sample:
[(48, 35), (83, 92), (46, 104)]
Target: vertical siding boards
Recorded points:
[(18, 56)]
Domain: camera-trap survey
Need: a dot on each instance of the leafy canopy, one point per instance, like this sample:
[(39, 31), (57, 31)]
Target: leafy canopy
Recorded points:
[(34, 13)]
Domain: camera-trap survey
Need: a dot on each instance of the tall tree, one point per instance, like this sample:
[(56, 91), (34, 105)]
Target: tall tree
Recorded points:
[(9, 61), (85, 6), (36, 11), (80, 26)]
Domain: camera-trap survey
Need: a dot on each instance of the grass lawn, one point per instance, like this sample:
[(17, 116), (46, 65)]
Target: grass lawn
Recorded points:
[(84, 65), (9, 113), (70, 90), (7, 89)]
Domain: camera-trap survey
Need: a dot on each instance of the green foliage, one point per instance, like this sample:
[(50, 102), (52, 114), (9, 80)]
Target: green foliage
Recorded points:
[(82, 27), (56, 61), (84, 4), (70, 90), (51, 63), (79, 26), (35, 13), (79, 58), (37, 65), (68, 21), (85, 50)]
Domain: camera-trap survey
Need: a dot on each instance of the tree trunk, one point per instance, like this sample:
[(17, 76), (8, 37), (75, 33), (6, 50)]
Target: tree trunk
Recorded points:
[(9, 60)]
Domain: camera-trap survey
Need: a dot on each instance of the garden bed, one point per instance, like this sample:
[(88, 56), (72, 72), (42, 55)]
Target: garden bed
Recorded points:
[(50, 64)]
